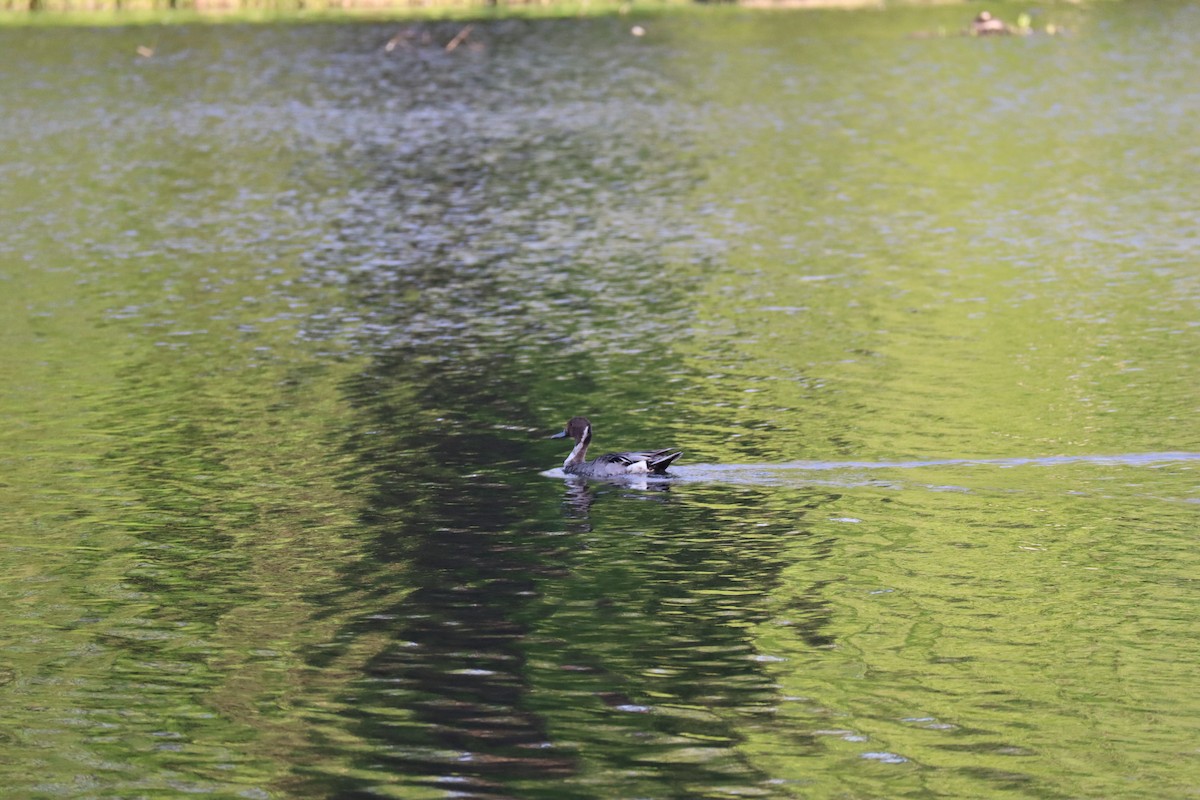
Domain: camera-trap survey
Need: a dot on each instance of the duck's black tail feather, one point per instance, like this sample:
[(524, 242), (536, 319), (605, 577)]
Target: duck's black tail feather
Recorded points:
[(660, 462)]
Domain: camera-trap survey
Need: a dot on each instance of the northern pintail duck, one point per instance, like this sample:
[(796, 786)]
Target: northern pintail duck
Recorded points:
[(610, 465)]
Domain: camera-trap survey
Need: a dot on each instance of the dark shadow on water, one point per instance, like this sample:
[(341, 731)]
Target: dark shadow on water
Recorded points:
[(515, 622), (525, 640), (444, 701)]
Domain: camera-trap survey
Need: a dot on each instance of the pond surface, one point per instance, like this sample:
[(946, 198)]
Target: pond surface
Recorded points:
[(287, 316)]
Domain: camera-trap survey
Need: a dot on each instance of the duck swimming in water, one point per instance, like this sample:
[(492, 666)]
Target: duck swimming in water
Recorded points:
[(610, 465), (985, 24)]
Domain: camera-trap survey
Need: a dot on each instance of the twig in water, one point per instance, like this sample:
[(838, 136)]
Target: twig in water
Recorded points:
[(399, 40), (459, 38)]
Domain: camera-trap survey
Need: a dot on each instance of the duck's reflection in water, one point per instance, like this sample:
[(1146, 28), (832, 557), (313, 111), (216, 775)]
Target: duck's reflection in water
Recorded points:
[(581, 493)]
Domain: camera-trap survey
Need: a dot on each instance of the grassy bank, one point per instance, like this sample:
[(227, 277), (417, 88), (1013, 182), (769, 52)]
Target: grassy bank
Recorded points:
[(124, 12), (24, 12)]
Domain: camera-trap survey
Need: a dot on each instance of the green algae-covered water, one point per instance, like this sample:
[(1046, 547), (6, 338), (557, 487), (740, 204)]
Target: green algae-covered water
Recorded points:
[(286, 316)]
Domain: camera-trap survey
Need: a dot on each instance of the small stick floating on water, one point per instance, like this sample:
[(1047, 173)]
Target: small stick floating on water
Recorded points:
[(459, 38)]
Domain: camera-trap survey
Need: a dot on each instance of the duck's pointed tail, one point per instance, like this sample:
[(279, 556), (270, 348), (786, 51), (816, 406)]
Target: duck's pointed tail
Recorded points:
[(660, 462)]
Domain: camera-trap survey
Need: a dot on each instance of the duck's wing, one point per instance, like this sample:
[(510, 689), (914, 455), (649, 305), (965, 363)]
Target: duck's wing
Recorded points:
[(655, 460), (621, 459)]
